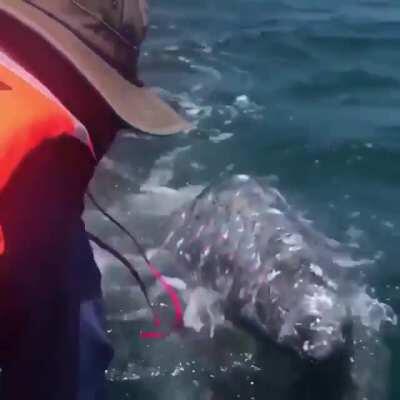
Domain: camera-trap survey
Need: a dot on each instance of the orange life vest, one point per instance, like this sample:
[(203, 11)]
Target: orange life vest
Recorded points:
[(29, 115)]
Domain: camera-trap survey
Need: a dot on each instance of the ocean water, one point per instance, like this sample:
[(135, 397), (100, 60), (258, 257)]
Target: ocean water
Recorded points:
[(304, 92)]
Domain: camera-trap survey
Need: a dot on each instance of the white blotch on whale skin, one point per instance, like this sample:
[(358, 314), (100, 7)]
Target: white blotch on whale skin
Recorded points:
[(199, 231), (332, 284), (307, 346), (318, 302), (293, 240), (206, 251), (298, 283), (294, 248), (315, 269), (274, 211), (328, 329), (272, 275)]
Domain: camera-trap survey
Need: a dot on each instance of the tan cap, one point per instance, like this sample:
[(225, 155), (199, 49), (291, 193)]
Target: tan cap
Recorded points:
[(101, 38)]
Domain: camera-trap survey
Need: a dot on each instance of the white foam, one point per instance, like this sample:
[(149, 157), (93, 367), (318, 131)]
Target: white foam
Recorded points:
[(221, 137), (176, 283), (371, 312), (196, 166), (162, 172), (123, 171), (171, 48), (184, 59), (155, 196), (354, 233), (214, 73), (248, 107), (201, 302), (347, 262), (243, 178), (242, 101), (160, 201)]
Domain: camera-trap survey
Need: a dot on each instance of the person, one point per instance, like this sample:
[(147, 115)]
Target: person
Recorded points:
[(68, 84)]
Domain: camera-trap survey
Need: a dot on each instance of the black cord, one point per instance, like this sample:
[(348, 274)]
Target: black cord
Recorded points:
[(100, 243), (169, 290), (140, 248)]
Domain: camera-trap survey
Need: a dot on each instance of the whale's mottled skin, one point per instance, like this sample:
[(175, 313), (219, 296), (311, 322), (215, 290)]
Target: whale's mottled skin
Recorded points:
[(240, 245)]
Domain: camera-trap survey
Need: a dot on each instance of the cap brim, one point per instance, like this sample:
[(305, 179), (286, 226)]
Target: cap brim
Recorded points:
[(138, 107)]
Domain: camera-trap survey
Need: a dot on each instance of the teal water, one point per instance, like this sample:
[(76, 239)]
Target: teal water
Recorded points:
[(306, 93)]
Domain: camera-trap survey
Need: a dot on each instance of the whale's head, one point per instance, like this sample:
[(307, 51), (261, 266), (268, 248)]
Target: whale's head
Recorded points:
[(298, 306)]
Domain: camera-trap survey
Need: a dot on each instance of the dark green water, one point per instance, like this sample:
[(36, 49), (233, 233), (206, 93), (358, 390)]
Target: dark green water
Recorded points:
[(305, 92)]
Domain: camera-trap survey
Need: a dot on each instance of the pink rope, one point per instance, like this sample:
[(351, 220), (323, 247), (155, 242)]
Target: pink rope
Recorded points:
[(175, 301)]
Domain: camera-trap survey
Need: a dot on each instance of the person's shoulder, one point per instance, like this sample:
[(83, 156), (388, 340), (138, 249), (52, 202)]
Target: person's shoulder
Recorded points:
[(30, 115)]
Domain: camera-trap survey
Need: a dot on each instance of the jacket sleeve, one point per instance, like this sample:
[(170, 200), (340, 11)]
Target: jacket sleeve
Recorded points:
[(39, 311)]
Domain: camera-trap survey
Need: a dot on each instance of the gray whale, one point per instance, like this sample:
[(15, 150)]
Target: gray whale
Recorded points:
[(247, 258), (240, 242)]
